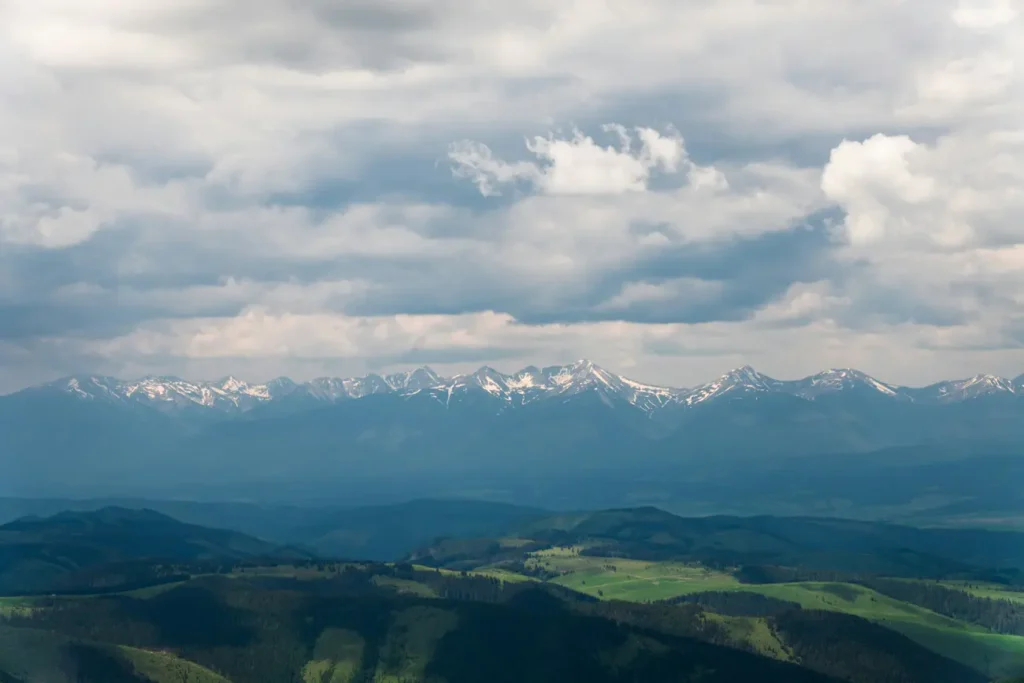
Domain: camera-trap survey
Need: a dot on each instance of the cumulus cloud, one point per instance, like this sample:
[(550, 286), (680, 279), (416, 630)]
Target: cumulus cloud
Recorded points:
[(960, 192), (934, 220), (577, 165), (253, 186), (874, 183)]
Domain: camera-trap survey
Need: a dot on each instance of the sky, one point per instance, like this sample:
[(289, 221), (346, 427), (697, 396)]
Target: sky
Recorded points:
[(670, 188)]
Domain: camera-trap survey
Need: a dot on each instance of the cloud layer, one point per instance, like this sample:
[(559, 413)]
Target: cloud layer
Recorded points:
[(670, 188)]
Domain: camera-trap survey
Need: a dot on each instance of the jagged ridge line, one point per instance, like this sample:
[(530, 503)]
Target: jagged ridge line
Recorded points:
[(553, 379)]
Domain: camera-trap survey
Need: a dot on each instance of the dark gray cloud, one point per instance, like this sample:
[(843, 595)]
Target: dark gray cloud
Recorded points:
[(750, 272), (78, 290), (316, 35)]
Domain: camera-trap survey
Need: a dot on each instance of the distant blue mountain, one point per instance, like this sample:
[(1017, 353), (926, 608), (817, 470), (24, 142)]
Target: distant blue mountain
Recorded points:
[(93, 434)]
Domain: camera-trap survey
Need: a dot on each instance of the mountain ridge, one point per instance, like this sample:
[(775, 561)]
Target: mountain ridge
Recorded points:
[(49, 553), (527, 385)]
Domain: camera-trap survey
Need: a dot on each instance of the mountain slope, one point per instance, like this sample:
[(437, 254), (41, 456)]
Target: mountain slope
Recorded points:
[(30, 655), (351, 628), (388, 532), (48, 553), (376, 532), (398, 622)]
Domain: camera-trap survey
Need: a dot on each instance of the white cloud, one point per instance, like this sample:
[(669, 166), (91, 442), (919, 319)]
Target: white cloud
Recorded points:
[(971, 81), (577, 165), (873, 181), (984, 15), (802, 302), (217, 141), (474, 161), (58, 199), (260, 345), (959, 193), (935, 224), (683, 291)]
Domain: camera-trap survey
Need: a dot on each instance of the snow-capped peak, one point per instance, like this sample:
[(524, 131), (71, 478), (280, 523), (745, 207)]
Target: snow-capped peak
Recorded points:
[(528, 385), (526, 378), (839, 379), (748, 376), (89, 387), (738, 382), (231, 384), (533, 384), (577, 375), (414, 380), (974, 387), (490, 380), (990, 381)]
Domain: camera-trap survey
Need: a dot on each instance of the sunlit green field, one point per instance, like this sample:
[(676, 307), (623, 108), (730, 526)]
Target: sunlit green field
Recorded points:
[(639, 581), (404, 586), (15, 607), (642, 581), (623, 579)]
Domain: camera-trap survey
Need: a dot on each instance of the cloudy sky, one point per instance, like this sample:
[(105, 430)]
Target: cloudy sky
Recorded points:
[(670, 188)]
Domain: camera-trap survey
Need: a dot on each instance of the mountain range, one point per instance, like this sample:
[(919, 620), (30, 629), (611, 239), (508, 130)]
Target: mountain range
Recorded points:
[(529, 385), (557, 437)]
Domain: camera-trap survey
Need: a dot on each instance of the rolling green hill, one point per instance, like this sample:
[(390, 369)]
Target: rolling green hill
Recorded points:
[(646, 555), (613, 578), (808, 547), (371, 532), (342, 621), (32, 655), (59, 552), (349, 628), (659, 582)]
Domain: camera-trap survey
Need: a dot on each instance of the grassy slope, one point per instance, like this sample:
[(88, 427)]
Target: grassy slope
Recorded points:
[(756, 632), (35, 655), (164, 667), (337, 657), (15, 607), (624, 579), (411, 639), (634, 580), (411, 642), (643, 581)]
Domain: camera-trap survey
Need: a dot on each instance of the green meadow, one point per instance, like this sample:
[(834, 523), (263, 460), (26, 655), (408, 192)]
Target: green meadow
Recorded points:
[(641, 581), (15, 607)]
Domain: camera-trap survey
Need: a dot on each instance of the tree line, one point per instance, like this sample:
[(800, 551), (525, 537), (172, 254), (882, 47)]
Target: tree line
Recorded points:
[(1001, 616)]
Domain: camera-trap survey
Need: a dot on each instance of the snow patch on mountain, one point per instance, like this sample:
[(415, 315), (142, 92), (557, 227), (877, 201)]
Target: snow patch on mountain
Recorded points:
[(839, 379), (974, 387), (527, 386), (742, 381)]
